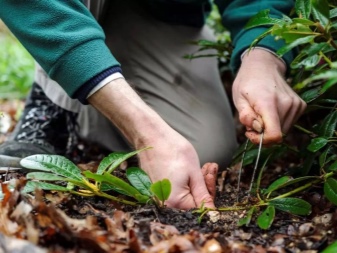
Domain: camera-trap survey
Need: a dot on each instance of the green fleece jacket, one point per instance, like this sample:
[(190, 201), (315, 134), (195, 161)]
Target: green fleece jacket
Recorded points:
[(68, 43)]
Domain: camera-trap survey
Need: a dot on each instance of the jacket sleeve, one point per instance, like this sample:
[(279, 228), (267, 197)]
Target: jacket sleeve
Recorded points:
[(64, 38), (235, 15)]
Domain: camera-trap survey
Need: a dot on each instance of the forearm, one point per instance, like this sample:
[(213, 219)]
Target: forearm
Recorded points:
[(139, 123)]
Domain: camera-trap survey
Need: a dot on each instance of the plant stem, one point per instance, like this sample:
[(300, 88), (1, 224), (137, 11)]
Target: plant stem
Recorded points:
[(102, 194), (325, 58), (304, 130), (297, 190)]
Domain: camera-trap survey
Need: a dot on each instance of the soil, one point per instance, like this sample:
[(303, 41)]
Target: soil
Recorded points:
[(59, 222)]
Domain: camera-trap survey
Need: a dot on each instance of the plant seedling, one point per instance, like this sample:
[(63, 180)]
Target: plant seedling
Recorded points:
[(54, 168)]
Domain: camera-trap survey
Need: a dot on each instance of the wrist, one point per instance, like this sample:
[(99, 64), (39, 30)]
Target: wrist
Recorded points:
[(137, 121), (257, 58)]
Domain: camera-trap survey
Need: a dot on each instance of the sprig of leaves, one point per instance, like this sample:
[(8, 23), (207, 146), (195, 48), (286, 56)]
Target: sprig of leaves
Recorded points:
[(54, 168)]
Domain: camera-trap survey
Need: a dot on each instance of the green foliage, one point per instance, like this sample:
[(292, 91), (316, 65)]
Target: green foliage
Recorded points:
[(311, 33), (332, 248), (16, 68), (266, 218), (161, 189), (59, 169)]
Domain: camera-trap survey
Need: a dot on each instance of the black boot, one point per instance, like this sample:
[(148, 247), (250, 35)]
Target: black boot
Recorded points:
[(44, 128)]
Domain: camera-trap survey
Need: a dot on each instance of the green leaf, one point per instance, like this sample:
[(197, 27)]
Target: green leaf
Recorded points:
[(330, 190), (56, 164), (32, 185), (277, 184), (113, 160), (108, 187), (321, 12), (266, 218), (303, 8), (332, 248), (303, 21), (328, 84), (333, 166), (246, 220), (44, 176), (292, 205), (119, 184), (316, 144), (262, 18), (161, 189), (311, 94), (140, 180), (328, 126), (294, 44), (294, 181), (333, 13), (323, 156)]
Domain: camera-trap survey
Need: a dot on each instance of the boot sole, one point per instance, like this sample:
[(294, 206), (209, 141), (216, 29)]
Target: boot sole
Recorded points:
[(10, 162)]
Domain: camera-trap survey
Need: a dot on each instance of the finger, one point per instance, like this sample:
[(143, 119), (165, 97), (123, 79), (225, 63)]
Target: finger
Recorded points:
[(210, 171), (271, 121), (199, 191), (246, 114), (292, 117), (184, 202)]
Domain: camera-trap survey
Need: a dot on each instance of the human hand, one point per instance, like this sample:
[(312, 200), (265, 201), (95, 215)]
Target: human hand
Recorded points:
[(171, 157), (263, 98), (175, 158)]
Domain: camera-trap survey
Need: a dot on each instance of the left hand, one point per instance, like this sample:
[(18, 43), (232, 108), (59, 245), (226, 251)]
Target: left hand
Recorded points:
[(261, 94)]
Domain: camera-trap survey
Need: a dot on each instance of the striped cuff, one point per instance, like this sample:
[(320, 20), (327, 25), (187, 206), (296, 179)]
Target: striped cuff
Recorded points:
[(104, 82), (83, 92)]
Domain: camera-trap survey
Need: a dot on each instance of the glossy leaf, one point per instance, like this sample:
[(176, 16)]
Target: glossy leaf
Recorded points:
[(321, 12), (44, 176), (266, 218), (323, 158), (316, 144), (303, 21), (140, 180), (330, 83), (263, 18), (333, 13), (32, 185), (277, 184), (245, 221), (113, 160), (303, 8), (333, 166), (120, 185), (311, 94), (332, 248), (56, 164), (328, 126), (161, 189), (292, 205), (330, 190), (294, 44), (108, 187)]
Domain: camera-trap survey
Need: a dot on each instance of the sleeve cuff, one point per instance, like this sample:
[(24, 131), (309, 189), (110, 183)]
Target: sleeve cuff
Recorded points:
[(104, 82), (83, 92)]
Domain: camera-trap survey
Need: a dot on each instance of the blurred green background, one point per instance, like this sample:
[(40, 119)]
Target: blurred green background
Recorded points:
[(16, 66)]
